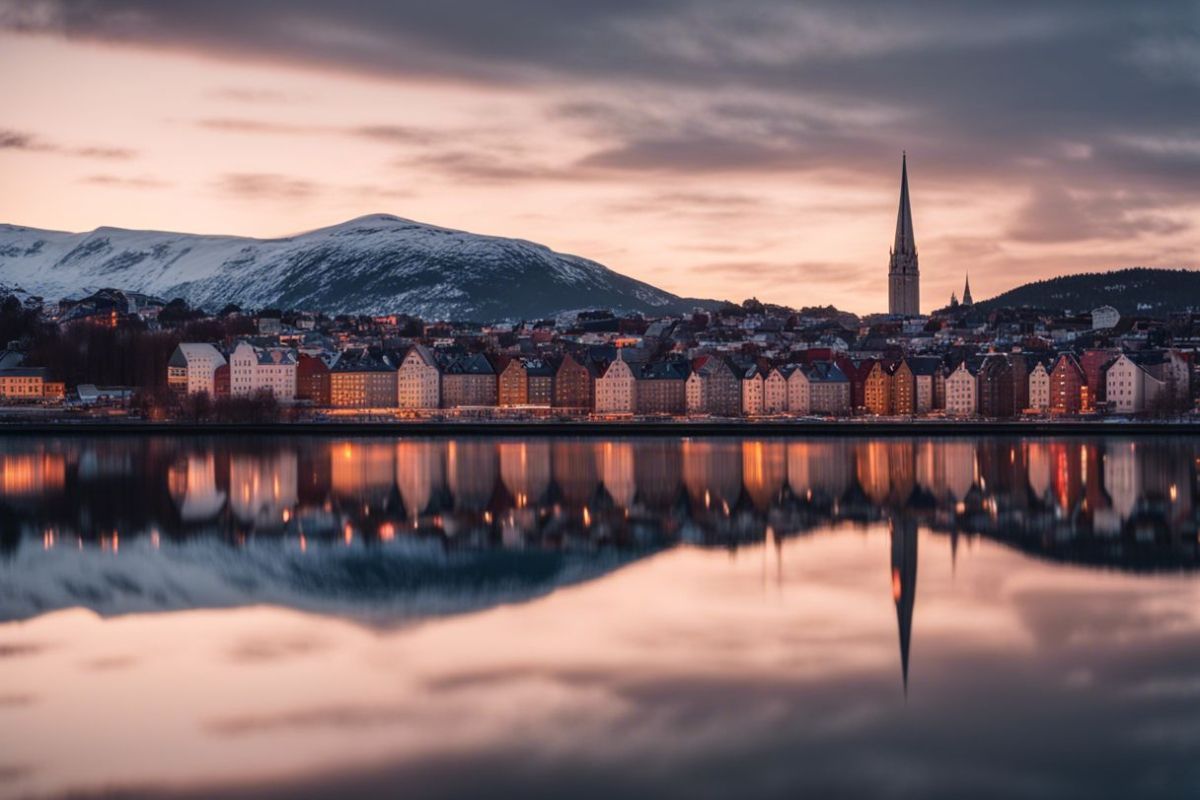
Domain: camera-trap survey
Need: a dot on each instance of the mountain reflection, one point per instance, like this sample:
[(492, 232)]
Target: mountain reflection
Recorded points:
[(377, 526)]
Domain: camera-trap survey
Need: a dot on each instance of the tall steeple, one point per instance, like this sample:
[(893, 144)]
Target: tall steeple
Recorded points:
[(906, 243), (904, 584), (967, 293), (904, 290)]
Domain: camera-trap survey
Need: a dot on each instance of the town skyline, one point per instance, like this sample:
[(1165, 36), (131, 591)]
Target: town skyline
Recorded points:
[(757, 162)]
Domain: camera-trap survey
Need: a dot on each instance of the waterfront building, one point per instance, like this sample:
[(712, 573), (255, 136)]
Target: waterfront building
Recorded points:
[(1039, 387), (1068, 385), (575, 384), (829, 389), (312, 379), (1129, 386), (877, 389), (418, 379), (714, 387), (513, 384), (752, 392), (191, 368), (962, 391), (253, 369), (995, 390), (22, 383), (469, 381), (616, 388), (365, 384), (775, 390), (662, 388), (799, 391)]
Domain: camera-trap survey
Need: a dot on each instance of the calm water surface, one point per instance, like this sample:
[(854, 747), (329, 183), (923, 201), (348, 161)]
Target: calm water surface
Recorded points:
[(692, 618)]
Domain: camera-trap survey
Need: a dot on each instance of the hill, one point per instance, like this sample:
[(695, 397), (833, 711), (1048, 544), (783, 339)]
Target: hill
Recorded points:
[(377, 264), (1141, 291)]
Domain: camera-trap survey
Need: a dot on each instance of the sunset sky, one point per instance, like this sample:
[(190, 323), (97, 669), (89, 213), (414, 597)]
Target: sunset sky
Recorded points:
[(712, 148)]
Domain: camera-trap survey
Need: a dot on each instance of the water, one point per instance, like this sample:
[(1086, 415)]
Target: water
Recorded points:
[(236, 617)]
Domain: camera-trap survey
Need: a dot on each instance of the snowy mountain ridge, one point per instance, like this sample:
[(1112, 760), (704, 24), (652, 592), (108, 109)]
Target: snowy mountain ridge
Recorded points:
[(376, 264)]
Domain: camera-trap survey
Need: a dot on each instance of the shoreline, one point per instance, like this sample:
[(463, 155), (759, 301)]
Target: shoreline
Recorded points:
[(585, 428)]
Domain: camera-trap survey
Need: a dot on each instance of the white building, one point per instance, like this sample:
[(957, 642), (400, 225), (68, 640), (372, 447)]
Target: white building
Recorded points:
[(192, 368), (962, 395), (615, 389), (1105, 318), (752, 392), (1129, 388), (1039, 387), (253, 368), (799, 392), (418, 380), (775, 391)]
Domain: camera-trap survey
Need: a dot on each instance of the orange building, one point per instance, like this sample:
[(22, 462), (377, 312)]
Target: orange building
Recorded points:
[(877, 390)]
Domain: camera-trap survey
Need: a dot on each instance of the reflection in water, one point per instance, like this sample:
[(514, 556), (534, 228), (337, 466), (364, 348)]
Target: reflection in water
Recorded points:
[(722, 585)]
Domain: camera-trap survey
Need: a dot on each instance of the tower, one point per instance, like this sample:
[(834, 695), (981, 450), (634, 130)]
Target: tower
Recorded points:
[(967, 293), (904, 583), (904, 279)]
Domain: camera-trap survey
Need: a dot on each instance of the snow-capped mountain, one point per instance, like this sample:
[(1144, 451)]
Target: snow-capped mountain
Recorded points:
[(400, 582), (377, 264)]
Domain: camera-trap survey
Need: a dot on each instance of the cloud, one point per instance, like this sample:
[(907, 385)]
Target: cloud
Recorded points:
[(976, 87), (394, 134), (242, 94), (1054, 214), (266, 186), (336, 717), (15, 140), (122, 182), (491, 168), (20, 140), (20, 649)]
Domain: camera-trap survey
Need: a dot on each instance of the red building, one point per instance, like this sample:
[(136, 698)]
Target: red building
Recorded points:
[(1068, 386), (312, 380), (1092, 362), (221, 381)]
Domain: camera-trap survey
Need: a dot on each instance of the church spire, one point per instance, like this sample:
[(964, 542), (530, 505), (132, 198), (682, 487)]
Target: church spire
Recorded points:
[(905, 244), (967, 292), (904, 584), (904, 280)]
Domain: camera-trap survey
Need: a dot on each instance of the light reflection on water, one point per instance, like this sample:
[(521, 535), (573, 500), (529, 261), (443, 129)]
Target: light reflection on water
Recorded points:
[(658, 617)]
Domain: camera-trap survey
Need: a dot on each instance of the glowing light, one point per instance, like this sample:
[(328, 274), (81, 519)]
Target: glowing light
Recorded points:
[(303, 543), (387, 531), (587, 517), (287, 515)]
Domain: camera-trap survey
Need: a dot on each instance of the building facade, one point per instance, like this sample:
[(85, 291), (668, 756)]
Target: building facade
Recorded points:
[(469, 381), (362, 386), (418, 380), (962, 392), (191, 368), (575, 384), (616, 389), (253, 369), (752, 392)]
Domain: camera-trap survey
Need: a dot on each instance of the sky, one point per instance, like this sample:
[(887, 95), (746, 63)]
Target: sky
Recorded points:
[(711, 148)]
